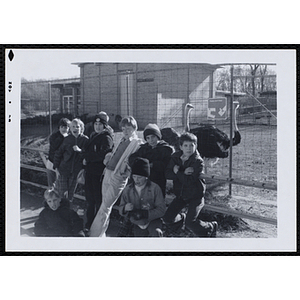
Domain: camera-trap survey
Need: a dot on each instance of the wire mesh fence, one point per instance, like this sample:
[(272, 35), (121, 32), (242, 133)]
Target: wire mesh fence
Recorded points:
[(159, 93)]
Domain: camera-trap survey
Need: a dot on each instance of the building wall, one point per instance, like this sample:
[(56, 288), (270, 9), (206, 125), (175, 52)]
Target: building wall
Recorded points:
[(109, 89), (90, 89), (151, 92)]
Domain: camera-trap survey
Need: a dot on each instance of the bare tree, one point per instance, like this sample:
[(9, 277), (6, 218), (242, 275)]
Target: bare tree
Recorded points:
[(223, 79), (253, 70), (263, 72)]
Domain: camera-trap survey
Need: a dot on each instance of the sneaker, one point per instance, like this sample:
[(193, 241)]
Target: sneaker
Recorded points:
[(159, 232), (176, 227), (213, 232), (86, 231)]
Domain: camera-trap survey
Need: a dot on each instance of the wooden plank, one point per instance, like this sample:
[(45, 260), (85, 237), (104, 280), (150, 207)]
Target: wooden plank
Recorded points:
[(206, 206), (33, 168), (34, 149), (255, 184), (79, 197), (242, 215), (46, 187), (34, 184)]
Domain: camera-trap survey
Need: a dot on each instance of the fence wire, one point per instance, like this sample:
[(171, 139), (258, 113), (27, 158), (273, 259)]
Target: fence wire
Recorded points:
[(158, 93)]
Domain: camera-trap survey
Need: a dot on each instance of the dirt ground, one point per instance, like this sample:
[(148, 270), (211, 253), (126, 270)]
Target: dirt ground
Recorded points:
[(254, 159)]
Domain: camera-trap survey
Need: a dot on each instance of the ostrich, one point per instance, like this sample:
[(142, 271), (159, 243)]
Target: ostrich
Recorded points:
[(212, 142)]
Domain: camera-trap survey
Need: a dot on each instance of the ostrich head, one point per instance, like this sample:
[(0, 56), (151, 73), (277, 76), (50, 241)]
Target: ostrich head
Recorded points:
[(187, 110)]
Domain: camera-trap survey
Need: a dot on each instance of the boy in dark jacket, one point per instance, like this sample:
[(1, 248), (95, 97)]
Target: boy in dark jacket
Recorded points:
[(142, 202), (89, 127), (68, 159), (184, 169), (57, 219), (99, 144), (158, 152), (55, 140)]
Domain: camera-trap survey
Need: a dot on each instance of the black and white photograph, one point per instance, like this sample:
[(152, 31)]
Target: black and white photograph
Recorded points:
[(158, 150)]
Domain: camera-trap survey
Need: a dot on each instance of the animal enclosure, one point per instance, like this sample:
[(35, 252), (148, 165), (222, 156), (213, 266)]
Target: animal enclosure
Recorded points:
[(158, 93), (231, 98)]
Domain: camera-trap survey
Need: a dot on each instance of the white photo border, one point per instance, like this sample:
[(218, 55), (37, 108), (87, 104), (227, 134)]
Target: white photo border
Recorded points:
[(286, 241)]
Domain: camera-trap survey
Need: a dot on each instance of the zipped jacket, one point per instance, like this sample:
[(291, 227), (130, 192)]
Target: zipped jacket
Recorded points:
[(97, 147), (159, 157), (189, 187)]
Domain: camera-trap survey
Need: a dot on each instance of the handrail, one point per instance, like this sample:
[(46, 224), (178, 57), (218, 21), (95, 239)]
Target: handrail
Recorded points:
[(34, 149), (240, 214), (250, 183), (255, 184)]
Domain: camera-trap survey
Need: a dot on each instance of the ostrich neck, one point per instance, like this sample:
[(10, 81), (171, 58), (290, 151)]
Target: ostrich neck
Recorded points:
[(187, 118), (235, 128)]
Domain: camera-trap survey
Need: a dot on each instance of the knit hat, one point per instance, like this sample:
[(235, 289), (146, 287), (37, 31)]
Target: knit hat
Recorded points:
[(152, 129), (141, 167), (101, 117)]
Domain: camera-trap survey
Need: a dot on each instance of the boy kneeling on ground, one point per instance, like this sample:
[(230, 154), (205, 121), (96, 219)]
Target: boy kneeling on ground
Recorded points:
[(142, 202), (184, 169), (57, 218)]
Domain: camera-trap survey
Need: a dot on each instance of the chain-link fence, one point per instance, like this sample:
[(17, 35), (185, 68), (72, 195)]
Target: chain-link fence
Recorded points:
[(159, 93)]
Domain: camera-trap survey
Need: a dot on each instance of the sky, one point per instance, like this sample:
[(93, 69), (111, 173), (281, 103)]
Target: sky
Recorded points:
[(35, 64)]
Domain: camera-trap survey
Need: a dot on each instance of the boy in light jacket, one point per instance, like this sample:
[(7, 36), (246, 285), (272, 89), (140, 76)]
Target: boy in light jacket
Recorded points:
[(116, 174), (142, 202)]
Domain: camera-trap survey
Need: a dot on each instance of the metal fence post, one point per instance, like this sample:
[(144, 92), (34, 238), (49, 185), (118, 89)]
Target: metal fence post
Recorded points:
[(50, 108), (231, 129)]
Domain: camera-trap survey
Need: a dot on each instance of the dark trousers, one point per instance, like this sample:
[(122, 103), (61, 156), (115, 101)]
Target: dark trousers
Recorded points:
[(198, 227), (150, 231), (93, 196)]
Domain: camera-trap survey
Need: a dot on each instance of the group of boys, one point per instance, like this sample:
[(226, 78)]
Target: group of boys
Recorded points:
[(148, 165)]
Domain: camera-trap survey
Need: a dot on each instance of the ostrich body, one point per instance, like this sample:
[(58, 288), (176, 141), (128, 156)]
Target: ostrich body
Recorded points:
[(212, 142)]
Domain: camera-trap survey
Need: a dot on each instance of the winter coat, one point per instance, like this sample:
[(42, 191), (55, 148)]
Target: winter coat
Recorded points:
[(61, 222), (66, 160), (89, 129), (55, 141), (151, 196), (189, 187), (97, 147), (159, 157)]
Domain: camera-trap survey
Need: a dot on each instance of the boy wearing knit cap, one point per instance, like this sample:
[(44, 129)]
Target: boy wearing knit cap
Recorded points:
[(158, 152), (99, 144), (89, 128), (142, 202)]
